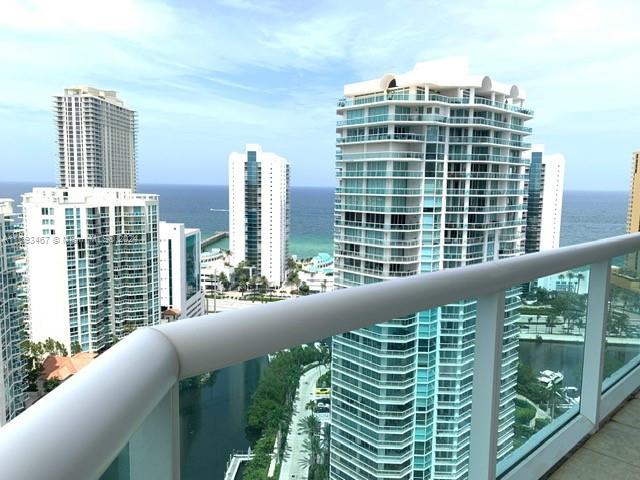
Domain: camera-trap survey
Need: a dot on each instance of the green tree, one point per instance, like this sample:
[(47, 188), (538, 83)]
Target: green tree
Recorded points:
[(75, 348), (51, 384), (554, 395), (309, 425), (303, 289)]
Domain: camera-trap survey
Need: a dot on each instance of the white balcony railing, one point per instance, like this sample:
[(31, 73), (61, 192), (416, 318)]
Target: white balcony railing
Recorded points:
[(129, 394)]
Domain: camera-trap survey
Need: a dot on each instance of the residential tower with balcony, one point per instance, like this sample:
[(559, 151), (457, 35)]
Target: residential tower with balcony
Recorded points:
[(96, 138), (431, 175), (179, 257), (92, 256), (259, 212), (12, 314), (544, 202)]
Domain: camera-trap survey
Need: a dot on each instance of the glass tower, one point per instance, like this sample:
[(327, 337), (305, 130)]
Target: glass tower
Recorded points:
[(12, 314), (430, 176)]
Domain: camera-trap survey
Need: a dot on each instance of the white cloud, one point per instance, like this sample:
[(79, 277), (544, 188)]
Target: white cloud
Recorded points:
[(236, 66)]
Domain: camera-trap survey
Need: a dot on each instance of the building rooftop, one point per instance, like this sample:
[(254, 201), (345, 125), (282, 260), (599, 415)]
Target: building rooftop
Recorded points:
[(447, 72), (62, 368)]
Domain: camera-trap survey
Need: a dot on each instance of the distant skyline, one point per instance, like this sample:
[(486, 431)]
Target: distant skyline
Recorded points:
[(208, 77)]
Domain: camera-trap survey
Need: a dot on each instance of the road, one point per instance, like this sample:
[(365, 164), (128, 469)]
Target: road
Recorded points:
[(291, 468)]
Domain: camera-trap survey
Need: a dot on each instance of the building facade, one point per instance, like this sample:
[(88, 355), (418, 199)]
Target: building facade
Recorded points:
[(259, 212), (430, 176), (179, 256), (633, 215), (96, 138), (544, 203), (12, 314), (101, 248)]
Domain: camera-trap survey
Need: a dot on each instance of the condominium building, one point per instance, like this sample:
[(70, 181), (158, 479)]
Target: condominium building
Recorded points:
[(259, 212), (12, 314), (96, 137), (180, 270), (544, 203), (92, 257), (431, 175), (633, 215)]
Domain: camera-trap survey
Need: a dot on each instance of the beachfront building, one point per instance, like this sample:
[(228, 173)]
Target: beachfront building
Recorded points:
[(318, 273), (179, 257), (96, 137), (633, 215), (544, 204), (431, 176), (92, 256), (259, 212), (12, 314)]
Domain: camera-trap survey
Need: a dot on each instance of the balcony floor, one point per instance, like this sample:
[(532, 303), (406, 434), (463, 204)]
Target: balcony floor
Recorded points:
[(612, 453)]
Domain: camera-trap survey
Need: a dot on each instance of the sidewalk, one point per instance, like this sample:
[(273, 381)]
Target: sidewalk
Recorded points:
[(291, 468)]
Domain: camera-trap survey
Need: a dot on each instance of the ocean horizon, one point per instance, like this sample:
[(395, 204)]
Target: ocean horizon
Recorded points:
[(586, 215)]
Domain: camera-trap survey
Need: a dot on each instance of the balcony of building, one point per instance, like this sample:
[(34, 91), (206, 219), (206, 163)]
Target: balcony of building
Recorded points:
[(503, 414)]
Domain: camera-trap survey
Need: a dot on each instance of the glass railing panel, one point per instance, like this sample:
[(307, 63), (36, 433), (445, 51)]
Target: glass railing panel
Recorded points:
[(622, 349), (119, 468), (237, 422), (548, 316), (395, 393)]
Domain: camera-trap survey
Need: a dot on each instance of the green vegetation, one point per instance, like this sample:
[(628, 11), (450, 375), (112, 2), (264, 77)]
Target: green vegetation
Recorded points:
[(34, 354), (51, 384), (525, 412), (272, 406), (325, 380), (198, 381), (528, 385), (316, 446)]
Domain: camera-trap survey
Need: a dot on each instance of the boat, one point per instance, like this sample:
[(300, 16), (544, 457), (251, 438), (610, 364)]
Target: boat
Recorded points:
[(549, 378)]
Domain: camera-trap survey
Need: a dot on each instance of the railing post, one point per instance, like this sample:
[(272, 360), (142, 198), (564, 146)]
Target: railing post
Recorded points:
[(154, 450), (594, 341), (487, 369)]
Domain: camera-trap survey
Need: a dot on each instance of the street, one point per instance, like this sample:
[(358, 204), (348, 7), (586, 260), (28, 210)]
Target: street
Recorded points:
[(291, 467)]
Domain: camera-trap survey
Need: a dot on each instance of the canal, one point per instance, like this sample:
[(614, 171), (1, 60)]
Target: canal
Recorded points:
[(213, 413), (213, 420)]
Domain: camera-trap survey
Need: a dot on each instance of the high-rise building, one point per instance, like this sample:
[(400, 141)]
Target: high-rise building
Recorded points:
[(544, 203), (430, 176), (633, 215), (259, 212), (12, 314), (92, 256), (180, 270), (96, 137)]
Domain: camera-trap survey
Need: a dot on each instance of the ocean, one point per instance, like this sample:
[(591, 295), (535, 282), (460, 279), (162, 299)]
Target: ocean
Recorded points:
[(586, 215)]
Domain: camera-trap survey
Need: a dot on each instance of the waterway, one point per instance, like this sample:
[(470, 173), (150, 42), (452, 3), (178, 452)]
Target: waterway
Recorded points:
[(213, 416), (213, 420), (566, 358)]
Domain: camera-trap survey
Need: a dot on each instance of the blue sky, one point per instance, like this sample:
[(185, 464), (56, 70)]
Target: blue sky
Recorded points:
[(206, 77)]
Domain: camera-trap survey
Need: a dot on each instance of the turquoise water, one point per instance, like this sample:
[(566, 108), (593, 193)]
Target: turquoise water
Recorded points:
[(586, 215)]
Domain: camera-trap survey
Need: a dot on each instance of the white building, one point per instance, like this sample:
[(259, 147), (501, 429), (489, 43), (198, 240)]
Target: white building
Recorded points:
[(318, 274), (544, 210), (259, 212), (12, 315), (180, 270), (92, 257), (96, 137), (430, 176)]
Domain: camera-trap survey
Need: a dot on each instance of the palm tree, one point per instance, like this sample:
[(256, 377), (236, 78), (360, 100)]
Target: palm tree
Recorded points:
[(551, 319), (570, 276), (312, 446), (561, 278), (309, 425), (579, 277), (555, 390)]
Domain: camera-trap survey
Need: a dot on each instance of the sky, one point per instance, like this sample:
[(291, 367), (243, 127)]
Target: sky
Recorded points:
[(206, 77)]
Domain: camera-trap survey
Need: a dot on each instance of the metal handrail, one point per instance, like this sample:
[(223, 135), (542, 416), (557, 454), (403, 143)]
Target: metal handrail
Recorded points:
[(94, 414)]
